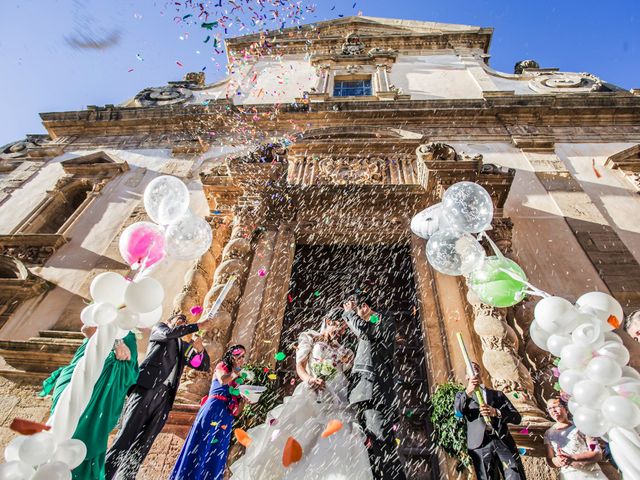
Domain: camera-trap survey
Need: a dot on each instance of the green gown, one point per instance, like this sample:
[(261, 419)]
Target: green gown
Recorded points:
[(104, 407)]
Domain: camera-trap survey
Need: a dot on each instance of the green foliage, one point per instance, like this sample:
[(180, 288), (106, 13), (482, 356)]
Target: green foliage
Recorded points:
[(255, 414), (449, 432)]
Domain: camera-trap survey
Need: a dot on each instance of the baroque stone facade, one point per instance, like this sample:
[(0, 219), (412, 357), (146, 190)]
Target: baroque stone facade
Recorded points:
[(557, 151)]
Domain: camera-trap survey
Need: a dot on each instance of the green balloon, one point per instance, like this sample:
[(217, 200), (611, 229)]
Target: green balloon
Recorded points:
[(496, 287)]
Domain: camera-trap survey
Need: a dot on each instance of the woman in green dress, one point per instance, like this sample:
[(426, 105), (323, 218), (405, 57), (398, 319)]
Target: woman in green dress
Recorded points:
[(103, 410)]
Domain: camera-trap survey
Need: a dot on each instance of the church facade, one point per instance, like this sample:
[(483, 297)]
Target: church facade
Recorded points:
[(309, 160)]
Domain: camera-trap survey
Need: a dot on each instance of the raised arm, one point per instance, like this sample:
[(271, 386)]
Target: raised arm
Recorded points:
[(162, 332), (359, 327)]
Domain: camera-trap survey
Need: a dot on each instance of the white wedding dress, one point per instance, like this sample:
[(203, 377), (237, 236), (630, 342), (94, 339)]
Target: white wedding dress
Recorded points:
[(304, 416), (572, 441)]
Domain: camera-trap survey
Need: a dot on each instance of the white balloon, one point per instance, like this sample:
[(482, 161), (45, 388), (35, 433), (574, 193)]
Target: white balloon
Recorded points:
[(538, 335), (148, 320), (108, 287), (612, 337), (427, 222), (188, 238), (604, 370), (624, 388), (166, 199), (471, 253), (568, 380), (588, 392), (588, 334), (556, 343), (467, 207), (590, 421), (630, 372), (576, 356), (104, 313), (616, 351), (15, 470), (70, 452), (86, 315), (603, 305), (127, 319), (144, 295), (37, 448), (573, 405), (621, 411), (625, 448), (12, 450), (555, 315), (53, 471)]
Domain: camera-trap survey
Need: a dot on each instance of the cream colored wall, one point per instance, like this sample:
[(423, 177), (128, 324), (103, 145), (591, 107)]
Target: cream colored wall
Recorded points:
[(93, 236), (611, 193), (543, 243)]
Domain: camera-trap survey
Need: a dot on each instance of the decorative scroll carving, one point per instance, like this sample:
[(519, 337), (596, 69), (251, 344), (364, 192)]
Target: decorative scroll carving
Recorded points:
[(266, 153), (17, 149), (32, 249), (437, 151), (628, 162), (352, 45), (567, 82), (162, 96), (33, 147), (522, 64), (361, 171)]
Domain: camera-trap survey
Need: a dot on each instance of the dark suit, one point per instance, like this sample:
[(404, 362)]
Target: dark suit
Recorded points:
[(491, 450), (372, 392), (151, 399)]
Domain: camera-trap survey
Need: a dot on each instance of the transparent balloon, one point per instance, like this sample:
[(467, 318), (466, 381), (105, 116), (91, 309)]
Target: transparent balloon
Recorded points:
[(467, 207), (166, 199), (427, 222), (188, 238)]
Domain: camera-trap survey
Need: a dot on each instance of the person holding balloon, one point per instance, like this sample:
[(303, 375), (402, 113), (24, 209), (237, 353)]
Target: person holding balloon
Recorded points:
[(120, 372), (568, 449), (151, 398)]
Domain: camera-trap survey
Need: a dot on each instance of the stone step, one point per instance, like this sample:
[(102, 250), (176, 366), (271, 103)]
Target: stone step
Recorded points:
[(33, 378), (74, 335)]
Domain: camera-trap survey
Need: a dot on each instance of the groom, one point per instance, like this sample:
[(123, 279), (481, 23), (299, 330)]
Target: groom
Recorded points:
[(372, 391)]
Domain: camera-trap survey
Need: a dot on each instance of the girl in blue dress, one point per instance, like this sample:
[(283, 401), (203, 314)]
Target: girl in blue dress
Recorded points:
[(204, 453)]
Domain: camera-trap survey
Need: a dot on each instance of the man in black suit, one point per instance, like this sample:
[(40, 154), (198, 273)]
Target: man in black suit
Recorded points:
[(372, 392), (491, 448), (151, 398)]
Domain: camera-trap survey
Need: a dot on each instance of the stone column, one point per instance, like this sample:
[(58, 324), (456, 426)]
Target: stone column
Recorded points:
[(234, 260)]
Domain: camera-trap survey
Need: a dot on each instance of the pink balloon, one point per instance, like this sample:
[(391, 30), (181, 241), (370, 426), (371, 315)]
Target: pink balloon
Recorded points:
[(142, 242)]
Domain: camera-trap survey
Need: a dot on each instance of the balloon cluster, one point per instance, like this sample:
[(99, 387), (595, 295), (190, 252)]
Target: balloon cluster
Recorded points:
[(448, 227), (128, 303), (177, 232), (603, 390), (40, 457)]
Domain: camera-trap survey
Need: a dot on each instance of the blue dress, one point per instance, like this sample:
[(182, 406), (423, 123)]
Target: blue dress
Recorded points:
[(204, 453)]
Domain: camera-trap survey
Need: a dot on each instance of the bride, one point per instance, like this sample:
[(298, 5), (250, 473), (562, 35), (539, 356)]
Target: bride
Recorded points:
[(321, 362)]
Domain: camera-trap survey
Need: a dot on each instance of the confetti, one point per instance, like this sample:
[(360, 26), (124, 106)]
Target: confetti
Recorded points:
[(374, 318), (272, 376), (280, 356), (262, 272), (179, 64), (524, 431), (317, 293), (522, 451), (130, 70), (196, 310), (290, 298), (332, 427), (458, 414), (292, 452), (273, 421), (242, 437)]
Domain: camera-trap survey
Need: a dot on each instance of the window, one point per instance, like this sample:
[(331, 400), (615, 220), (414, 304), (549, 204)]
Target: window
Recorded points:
[(352, 88)]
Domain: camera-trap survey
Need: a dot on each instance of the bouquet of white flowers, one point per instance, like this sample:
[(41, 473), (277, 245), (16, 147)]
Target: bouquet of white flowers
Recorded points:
[(324, 369)]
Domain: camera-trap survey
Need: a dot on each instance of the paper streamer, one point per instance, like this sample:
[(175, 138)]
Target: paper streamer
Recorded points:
[(216, 305)]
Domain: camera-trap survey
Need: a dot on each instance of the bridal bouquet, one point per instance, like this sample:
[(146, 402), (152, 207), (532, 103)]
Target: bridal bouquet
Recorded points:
[(324, 369)]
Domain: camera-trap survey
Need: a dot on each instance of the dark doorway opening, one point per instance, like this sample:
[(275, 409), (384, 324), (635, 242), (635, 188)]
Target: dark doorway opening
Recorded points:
[(321, 275)]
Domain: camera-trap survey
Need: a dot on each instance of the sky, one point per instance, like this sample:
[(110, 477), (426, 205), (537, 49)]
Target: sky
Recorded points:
[(62, 55)]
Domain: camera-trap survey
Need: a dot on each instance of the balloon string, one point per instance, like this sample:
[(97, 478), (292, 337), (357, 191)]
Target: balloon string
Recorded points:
[(143, 264), (494, 247), (534, 290)]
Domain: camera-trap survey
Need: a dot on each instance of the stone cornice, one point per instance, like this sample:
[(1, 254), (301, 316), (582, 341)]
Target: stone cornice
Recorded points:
[(596, 109)]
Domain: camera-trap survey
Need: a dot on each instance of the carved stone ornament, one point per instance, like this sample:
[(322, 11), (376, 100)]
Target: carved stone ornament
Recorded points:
[(161, 96), (352, 45), (441, 152), (17, 149), (267, 153), (31, 249), (522, 64), (360, 171), (566, 82)]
